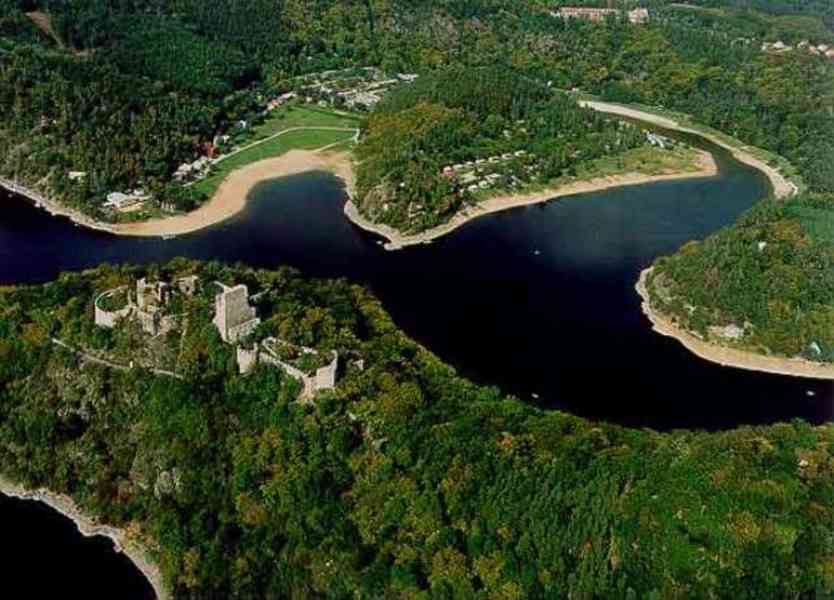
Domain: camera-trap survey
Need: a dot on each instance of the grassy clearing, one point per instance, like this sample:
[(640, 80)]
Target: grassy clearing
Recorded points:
[(300, 116), (646, 160), (818, 222), (294, 140)]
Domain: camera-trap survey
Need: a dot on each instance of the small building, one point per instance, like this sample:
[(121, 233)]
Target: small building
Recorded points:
[(77, 175), (638, 16), (120, 201)]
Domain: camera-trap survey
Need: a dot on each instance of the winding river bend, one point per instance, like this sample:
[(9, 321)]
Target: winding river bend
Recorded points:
[(538, 300)]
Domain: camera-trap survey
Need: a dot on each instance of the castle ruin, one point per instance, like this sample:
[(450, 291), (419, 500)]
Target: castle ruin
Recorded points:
[(148, 309), (234, 317), (323, 378)]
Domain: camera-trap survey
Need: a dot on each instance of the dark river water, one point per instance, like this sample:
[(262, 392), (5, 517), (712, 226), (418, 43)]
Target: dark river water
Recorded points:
[(539, 301)]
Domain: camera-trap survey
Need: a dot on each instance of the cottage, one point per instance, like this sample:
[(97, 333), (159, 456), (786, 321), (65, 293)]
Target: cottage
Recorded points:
[(638, 16), (119, 201)]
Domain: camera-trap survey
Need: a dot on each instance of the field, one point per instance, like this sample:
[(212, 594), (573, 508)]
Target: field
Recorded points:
[(268, 140), (647, 160)]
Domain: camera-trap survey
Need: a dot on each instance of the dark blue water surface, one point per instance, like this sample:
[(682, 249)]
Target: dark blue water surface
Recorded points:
[(46, 558), (539, 300)]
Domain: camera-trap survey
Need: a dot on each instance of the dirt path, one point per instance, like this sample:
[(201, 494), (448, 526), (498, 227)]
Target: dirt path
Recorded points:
[(44, 22)]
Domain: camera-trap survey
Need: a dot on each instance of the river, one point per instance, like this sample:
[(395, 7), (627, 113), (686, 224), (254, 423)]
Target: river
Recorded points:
[(539, 300)]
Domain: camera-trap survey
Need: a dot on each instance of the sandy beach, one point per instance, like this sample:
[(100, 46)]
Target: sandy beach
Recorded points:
[(232, 194), (729, 357), (397, 240), (89, 527)]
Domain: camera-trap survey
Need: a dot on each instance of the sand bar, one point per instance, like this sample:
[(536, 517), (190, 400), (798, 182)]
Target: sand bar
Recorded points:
[(397, 240), (729, 357), (89, 527)]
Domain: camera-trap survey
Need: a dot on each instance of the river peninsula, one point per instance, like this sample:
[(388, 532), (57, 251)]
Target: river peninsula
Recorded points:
[(706, 167), (231, 195), (726, 356)]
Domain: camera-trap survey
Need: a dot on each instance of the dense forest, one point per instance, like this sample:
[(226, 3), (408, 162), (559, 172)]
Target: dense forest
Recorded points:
[(428, 145), (771, 274), (407, 481), (128, 90)]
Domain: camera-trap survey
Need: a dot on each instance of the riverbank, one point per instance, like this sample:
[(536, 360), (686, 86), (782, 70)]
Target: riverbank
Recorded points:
[(89, 527), (396, 240), (782, 186), (232, 195), (54, 208), (724, 356)]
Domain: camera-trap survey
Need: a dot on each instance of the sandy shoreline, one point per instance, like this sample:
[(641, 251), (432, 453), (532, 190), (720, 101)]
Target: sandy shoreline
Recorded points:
[(782, 187), (232, 195), (229, 199), (729, 357), (397, 240), (88, 527)]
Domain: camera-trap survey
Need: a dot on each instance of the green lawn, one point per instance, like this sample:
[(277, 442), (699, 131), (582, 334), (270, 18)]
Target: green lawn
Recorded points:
[(302, 140), (300, 116)]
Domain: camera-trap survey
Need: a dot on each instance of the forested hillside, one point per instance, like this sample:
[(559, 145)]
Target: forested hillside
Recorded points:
[(406, 481), (771, 275), (133, 89), (429, 145)]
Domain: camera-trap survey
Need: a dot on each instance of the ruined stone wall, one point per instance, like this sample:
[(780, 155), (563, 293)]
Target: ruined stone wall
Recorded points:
[(109, 319), (247, 360)]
